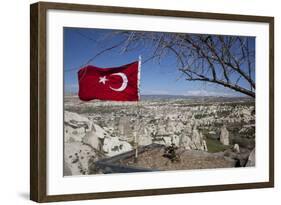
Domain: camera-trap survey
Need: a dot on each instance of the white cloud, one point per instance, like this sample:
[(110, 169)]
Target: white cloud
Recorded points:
[(189, 93), (206, 93), (155, 92)]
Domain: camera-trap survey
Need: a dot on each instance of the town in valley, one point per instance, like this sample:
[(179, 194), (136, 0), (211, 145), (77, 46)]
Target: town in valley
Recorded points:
[(158, 133)]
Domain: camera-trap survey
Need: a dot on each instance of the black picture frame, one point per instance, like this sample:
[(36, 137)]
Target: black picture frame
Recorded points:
[(38, 100)]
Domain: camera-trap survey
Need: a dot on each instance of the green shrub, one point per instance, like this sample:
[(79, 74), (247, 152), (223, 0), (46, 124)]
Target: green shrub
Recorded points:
[(215, 146)]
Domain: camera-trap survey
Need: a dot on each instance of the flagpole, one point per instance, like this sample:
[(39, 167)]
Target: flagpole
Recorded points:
[(138, 108), (139, 72)]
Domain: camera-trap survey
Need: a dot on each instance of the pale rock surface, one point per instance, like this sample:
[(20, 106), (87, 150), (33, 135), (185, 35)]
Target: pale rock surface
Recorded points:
[(252, 159), (190, 140), (113, 146), (236, 148), (76, 158), (224, 136), (204, 144), (124, 128), (66, 169), (161, 129), (197, 138), (186, 142), (144, 140), (73, 134), (95, 137), (75, 120), (143, 136), (167, 141), (175, 139), (75, 126)]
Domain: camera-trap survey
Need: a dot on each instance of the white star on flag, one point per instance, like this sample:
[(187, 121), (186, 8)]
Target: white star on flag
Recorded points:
[(103, 80)]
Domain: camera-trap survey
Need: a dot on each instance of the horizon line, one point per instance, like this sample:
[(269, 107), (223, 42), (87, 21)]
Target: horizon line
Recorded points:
[(181, 95)]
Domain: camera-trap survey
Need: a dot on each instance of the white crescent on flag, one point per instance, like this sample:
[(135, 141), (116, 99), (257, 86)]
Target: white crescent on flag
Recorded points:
[(124, 84)]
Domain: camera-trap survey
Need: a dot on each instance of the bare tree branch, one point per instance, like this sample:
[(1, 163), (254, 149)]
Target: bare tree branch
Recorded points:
[(224, 60)]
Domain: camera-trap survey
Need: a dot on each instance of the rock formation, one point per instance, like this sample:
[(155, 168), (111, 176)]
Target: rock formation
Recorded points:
[(236, 148), (95, 137), (252, 159), (196, 138), (86, 141), (76, 158), (108, 128), (204, 146), (224, 136), (113, 146), (75, 126), (185, 142)]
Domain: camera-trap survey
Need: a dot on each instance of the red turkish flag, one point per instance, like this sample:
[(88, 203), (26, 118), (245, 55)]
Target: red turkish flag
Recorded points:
[(116, 84)]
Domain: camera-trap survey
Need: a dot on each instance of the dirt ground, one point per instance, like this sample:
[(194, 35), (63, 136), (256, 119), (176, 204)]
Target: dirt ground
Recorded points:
[(189, 159)]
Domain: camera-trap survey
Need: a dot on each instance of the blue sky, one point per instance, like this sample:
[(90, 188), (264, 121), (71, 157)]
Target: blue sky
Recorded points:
[(81, 44)]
